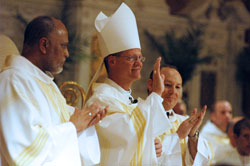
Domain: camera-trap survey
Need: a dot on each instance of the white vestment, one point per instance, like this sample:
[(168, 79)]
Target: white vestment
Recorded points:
[(127, 133), (34, 119), (222, 150), (175, 151)]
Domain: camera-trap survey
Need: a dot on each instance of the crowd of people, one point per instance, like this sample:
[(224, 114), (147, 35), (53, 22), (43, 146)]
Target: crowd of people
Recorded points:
[(37, 127)]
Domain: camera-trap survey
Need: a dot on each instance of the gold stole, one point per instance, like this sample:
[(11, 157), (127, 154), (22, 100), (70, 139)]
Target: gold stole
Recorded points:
[(175, 125), (57, 100), (139, 123)]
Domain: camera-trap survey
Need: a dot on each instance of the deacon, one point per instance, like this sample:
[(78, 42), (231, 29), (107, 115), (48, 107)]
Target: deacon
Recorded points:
[(37, 127)]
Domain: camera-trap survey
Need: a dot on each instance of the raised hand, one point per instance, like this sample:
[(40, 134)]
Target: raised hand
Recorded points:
[(158, 79), (199, 117), (186, 126), (87, 116)]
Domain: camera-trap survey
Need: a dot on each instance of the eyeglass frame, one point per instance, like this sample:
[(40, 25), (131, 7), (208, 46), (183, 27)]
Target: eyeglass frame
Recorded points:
[(133, 58)]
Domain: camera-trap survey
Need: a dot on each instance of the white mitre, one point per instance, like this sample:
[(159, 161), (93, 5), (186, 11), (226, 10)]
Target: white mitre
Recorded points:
[(115, 34), (118, 32)]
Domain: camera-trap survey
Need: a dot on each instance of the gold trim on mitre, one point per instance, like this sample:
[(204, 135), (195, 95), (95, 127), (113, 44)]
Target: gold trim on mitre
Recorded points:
[(97, 60)]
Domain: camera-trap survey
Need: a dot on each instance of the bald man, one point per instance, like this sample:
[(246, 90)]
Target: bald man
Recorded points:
[(182, 144), (215, 131)]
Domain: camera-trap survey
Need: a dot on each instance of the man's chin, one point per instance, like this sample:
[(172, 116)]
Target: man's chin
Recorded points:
[(168, 105), (137, 76), (58, 71)]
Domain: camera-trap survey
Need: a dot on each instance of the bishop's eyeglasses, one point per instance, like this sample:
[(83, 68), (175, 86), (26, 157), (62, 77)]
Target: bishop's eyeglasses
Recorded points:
[(133, 58)]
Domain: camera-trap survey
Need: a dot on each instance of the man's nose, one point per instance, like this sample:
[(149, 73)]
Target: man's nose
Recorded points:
[(66, 54), (228, 116), (139, 58), (138, 61), (172, 90)]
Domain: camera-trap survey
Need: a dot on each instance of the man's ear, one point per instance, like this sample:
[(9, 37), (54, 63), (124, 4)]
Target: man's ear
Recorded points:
[(111, 60), (233, 140), (43, 45), (150, 85), (212, 116)]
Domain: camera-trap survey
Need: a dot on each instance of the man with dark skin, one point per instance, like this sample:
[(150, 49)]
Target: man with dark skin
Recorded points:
[(37, 126), (56, 47)]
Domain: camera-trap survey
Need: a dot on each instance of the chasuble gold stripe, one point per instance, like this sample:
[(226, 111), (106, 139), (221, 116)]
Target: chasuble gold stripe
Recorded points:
[(139, 123), (224, 140), (212, 151), (175, 125), (53, 96), (31, 152), (62, 104)]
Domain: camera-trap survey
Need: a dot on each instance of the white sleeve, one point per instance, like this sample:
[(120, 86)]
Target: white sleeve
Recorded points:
[(158, 122), (158, 119), (203, 155), (171, 151), (89, 146)]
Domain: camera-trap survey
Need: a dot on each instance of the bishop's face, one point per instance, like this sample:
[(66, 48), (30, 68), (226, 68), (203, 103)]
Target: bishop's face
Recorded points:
[(127, 66)]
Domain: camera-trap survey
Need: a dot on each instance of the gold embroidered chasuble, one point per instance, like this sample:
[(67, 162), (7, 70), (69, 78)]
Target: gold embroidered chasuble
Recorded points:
[(127, 133)]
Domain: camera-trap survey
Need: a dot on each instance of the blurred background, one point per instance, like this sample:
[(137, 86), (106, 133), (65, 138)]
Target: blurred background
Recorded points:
[(208, 40)]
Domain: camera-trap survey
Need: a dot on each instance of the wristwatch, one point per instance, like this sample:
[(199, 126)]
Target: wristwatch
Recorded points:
[(195, 136)]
